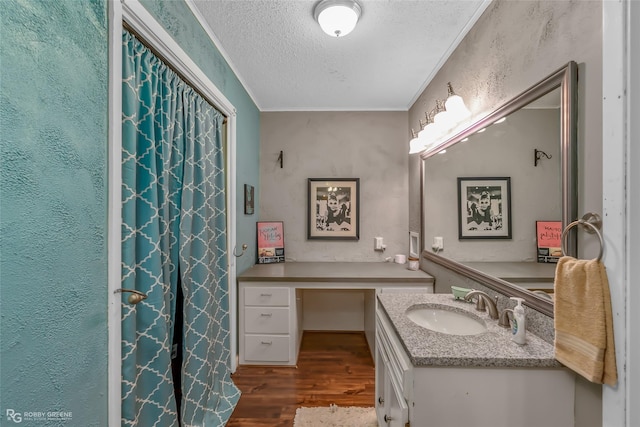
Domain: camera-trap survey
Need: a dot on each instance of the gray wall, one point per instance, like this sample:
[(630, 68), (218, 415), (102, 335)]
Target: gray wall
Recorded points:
[(513, 46), (366, 145)]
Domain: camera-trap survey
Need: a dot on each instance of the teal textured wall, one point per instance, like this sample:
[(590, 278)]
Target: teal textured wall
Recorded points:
[(53, 197), (53, 291), (178, 20)]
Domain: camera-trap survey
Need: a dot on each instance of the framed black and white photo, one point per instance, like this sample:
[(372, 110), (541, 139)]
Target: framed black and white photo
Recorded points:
[(248, 199), (333, 208), (484, 208)]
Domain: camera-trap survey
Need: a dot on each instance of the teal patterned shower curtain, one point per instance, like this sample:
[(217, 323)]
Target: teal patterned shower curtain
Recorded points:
[(173, 222)]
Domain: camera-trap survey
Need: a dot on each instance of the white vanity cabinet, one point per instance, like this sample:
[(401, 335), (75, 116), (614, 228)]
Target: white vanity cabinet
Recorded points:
[(454, 396), (270, 331), (336, 296), (393, 378)]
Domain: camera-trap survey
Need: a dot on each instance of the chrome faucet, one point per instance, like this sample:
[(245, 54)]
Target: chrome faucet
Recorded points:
[(484, 302), (504, 320)]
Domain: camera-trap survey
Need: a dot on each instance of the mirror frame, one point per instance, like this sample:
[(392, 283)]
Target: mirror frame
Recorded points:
[(566, 78)]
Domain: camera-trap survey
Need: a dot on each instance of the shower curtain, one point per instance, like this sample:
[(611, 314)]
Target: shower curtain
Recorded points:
[(173, 222)]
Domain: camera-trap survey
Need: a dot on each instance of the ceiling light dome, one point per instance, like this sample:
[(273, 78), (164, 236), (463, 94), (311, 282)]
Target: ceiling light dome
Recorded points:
[(337, 17)]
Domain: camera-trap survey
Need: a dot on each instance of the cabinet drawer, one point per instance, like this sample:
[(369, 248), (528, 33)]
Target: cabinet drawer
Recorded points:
[(266, 296), (266, 348), (266, 320)]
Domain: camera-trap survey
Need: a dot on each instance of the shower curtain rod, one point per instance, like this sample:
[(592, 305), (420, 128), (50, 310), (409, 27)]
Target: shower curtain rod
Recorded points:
[(137, 35)]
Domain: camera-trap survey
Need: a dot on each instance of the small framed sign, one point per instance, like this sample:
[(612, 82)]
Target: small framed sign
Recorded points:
[(270, 241), (548, 240), (248, 199)]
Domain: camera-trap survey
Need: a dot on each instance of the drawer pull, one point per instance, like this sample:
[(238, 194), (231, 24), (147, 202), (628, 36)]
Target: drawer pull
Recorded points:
[(265, 295), (266, 342), (387, 419), (381, 401), (266, 314)]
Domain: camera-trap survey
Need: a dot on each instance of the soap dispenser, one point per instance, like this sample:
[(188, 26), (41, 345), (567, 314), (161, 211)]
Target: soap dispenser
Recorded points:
[(518, 329)]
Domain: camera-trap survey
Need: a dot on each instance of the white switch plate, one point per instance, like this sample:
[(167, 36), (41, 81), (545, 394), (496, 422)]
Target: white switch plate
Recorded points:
[(378, 243), (414, 244), (438, 243)]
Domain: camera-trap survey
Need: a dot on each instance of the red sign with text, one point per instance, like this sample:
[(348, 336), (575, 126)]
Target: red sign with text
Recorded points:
[(548, 238), (270, 241)]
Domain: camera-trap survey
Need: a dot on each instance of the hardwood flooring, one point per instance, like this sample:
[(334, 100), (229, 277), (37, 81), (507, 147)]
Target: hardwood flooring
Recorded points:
[(333, 367)]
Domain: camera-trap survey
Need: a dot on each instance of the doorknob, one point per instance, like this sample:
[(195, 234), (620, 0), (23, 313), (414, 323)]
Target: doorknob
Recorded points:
[(135, 297)]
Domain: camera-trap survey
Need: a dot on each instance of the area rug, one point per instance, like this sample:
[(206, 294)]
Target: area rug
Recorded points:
[(335, 416)]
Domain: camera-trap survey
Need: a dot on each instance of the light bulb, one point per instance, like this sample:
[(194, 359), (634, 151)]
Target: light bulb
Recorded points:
[(429, 133), (455, 105), (442, 118), (416, 145), (338, 20)]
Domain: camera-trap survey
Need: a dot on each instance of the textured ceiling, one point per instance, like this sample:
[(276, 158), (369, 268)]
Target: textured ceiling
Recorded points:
[(287, 63)]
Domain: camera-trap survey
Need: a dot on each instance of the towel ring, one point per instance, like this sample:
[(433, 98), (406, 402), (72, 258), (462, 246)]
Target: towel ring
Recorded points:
[(592, 223)]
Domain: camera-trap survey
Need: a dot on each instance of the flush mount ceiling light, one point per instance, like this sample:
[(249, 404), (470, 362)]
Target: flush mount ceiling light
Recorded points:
[(337, 17)]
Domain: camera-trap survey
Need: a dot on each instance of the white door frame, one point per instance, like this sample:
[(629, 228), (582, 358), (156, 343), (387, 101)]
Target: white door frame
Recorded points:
[(621, 203), (140, 20)]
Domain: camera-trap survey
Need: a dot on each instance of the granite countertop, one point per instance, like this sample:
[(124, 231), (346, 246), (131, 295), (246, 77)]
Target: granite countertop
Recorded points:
[(493, 348), (376, 272)]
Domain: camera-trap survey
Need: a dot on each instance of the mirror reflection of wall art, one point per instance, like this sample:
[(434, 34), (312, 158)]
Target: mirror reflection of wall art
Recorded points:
[(484, 208), (549, 240), (248, 199), (333, 208)]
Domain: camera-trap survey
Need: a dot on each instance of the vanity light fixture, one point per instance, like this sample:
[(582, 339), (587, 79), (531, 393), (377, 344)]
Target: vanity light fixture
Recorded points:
[(337, 18), (427, 135), (445, 119), (455, 104)]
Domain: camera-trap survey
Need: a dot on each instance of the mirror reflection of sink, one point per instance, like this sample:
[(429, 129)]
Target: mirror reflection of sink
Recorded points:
[(445, 321)]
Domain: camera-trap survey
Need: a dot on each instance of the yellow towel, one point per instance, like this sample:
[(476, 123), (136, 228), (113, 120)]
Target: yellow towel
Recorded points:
[(583, 320)]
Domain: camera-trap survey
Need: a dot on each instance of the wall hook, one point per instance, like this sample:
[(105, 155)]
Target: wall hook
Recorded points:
[(281, 158), (244, 248), (538, 154)]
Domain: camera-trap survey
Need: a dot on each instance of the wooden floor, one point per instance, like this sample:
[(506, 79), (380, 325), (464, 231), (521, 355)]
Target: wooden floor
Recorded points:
[(333, 368)]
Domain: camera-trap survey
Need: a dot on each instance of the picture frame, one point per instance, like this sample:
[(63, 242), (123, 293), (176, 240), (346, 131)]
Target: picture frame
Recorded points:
[(484, 208), (333, 208), (548, 241), (270, 238), (248, 199)]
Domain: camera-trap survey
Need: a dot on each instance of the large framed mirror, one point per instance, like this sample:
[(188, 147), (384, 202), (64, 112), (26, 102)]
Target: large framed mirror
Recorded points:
[(528, 143)]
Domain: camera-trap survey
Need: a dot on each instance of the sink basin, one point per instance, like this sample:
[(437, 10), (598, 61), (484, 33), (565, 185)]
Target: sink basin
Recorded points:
[(445, 321)]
